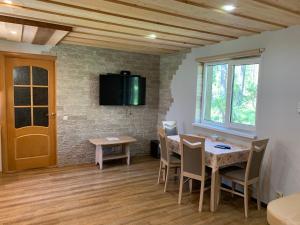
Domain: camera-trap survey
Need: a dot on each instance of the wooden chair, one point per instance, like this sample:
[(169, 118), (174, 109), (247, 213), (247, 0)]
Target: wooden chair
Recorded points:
[(167, 160), (192, 163), (249, 175), (170, 127)]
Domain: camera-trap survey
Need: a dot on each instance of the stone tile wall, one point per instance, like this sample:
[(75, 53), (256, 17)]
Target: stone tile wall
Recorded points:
[(77, 73)]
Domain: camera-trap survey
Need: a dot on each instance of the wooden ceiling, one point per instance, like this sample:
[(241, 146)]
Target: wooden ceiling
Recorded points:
[(177, 24), (29, 31)]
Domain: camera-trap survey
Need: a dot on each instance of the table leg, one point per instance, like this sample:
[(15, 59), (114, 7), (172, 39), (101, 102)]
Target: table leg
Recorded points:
[(214, 190), (164, 172), (99, 156), (127, 150), (191, 185)]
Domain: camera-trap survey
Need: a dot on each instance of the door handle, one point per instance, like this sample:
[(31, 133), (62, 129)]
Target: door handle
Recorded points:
[(51, 114)]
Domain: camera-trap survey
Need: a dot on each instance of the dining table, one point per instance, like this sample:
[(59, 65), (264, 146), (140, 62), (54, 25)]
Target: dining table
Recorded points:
[(215, 158)]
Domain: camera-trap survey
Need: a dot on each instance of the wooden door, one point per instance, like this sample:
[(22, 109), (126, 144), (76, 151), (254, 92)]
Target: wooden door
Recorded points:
[(31, 116)]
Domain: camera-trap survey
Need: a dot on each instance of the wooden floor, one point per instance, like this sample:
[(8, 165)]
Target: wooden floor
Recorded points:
[(116, 195)]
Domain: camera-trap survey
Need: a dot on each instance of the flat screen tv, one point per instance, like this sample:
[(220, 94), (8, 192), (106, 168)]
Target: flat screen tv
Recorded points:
[(116, 89)]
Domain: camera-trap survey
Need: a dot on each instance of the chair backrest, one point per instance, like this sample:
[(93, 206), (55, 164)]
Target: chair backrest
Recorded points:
[(163, 144), (170, 127), (255, 159), (192, 154)]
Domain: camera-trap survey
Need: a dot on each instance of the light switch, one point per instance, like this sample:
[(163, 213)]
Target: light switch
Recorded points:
[(298, 107), (65, 118)]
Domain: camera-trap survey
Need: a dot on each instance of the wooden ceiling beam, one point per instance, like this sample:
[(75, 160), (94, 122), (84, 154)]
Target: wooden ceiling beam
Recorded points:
[(29, 33), (201, 5), (57, 37), (92, 27), (107, 12), (43, 35), (141, 36), (113, 47), (179, 9), (142, 39), (125, 24), (293, 7), (35, 23), (72, 20), (255, 10), (144, 32), (116, 46), (125, 41), (136, 10)]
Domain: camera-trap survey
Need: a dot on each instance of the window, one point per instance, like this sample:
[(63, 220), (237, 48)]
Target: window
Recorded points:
[(229, 94), (215, 93)]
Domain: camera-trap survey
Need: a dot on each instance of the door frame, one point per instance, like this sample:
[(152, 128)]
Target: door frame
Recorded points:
[(3, 99)]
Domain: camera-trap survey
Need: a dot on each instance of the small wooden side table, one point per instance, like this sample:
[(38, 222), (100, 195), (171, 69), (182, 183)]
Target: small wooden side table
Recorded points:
[(122, 141)]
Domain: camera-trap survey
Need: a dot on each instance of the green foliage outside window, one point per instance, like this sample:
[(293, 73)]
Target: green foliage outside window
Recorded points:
[(244, 94), (216, 88)]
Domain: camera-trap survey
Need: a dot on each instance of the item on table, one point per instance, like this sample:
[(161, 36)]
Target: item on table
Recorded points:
[(216, 137), (223, 146)]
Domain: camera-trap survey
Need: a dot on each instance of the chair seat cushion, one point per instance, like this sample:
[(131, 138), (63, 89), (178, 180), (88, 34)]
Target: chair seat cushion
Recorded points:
[(233, 172), (174, 160)]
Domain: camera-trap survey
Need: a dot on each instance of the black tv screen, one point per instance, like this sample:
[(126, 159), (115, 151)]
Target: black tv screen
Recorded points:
[(116, 89), (112, 89)]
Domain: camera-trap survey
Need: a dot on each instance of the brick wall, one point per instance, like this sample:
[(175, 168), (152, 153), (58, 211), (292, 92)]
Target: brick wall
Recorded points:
[(169, 64), (78, 68)]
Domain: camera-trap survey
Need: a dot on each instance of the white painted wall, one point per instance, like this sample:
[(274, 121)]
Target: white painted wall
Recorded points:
[(11, 46), (278, 96)]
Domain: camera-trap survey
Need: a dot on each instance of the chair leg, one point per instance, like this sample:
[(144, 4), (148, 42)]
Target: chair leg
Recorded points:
[(258, 195), (191, 185), (180, 189), (167, 176), (176, 174), (159, 172), (233, 186), (201, 195), (246, 197)]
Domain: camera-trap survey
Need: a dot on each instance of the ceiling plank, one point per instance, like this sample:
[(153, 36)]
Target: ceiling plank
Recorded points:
[(107, 46), (11, 31), (127, 15), (132, 37), (252, 10), (181, 9), (57, 36), (292, 6), (125, 41), (78, 20), (17, 20), (143, 33), (29, 33), (42, 36), (100, 16), (117, 46)]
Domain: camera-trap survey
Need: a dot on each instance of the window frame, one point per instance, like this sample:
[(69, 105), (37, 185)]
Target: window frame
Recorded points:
[(229, 93)]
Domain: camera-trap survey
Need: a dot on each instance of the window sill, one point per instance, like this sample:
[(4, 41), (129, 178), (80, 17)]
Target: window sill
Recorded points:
[(245, 134)]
